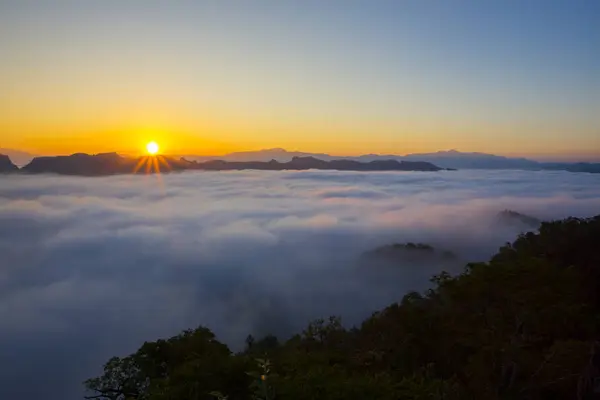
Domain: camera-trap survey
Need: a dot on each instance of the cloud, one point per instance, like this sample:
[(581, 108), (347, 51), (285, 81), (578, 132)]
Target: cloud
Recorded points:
[(92, 267)]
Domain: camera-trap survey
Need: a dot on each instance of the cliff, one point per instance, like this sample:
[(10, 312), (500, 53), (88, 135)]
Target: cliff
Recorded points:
[(6, 165)]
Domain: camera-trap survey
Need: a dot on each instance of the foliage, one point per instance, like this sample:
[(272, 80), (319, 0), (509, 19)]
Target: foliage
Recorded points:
[(522, 326)]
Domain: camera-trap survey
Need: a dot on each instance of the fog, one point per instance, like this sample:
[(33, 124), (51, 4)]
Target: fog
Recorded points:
[(92, 267)]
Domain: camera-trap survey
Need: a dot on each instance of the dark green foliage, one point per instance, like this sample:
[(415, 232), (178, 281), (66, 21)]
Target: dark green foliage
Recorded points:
[(186, 366), (523, 326)]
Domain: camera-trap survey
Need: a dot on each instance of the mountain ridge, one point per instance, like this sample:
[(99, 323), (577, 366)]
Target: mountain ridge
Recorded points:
[(112, 163), (445, 159), (453, 159), (6, 165)]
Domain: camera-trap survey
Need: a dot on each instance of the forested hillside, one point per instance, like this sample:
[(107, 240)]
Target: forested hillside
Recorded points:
[(524, 325)]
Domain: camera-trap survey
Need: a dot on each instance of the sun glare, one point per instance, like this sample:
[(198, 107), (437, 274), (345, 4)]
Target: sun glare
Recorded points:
[(152, 148)]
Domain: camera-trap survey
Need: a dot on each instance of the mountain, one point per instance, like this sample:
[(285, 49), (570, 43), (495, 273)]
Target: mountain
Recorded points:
[(398, 261), (510, 217), (459, 160), (573, 167), (18, 157), (408, 253), (100, 164), (6, 164), (277, 154), (452, 159), (303, 163), (113, 163), (80, 164)]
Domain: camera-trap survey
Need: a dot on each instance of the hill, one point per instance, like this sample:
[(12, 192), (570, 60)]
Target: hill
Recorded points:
[(573, 167), (280, 159), (112, 163), (98, 165), (445, 159), (524, 325), (459, 160), (407, 253), (451, 159), (6, 165), (511, 217)]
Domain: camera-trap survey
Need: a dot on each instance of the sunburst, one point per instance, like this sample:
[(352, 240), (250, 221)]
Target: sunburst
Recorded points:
[(151, 164)]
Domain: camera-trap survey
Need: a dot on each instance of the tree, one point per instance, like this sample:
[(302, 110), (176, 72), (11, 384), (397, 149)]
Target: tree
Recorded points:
[(524, 325), (189, 365)]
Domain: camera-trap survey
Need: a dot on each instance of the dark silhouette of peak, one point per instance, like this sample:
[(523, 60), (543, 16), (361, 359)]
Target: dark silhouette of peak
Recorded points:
[(512, 217), (408, 252), (78, 164), (448, 159), (395, 261), (6, 164), (109, 156), (102, 164), (309, 163), (113, 163)]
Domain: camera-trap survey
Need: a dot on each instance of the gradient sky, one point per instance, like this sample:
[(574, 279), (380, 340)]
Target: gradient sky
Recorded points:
[(344, 77)]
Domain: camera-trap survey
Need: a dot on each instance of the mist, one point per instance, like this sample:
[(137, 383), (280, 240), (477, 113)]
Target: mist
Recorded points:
[(92, 267)]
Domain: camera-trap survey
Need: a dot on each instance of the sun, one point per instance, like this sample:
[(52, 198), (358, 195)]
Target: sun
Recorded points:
[(152, 148)]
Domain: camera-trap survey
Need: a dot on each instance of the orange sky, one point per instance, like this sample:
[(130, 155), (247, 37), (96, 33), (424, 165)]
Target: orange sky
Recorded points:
[(204, 78)]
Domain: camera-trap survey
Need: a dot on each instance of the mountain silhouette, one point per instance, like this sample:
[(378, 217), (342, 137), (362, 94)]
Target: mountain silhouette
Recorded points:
[(113, 163), (392, 262), (303, 163), (511, 217), (453, 159), (408, 252), (281, 159), (6, 164), (573, 167)]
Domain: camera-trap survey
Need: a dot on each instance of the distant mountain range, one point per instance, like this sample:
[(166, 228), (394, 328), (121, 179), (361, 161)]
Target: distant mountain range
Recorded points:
[(113, 163), (6, 165), (444, 159), (280, 159)]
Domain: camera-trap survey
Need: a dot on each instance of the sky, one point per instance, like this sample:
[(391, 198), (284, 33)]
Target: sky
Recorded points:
[(92, 268), (342, 76)]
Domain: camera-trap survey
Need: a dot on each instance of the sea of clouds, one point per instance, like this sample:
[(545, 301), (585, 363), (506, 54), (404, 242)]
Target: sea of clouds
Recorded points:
[(92, 267)]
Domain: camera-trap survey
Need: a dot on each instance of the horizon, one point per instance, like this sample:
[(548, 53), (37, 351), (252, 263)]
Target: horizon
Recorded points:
[(589, 158), (340, 78)]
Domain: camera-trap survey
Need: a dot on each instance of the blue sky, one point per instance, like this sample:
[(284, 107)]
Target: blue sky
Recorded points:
[(510, 77)]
